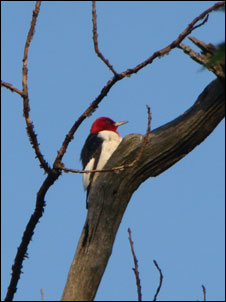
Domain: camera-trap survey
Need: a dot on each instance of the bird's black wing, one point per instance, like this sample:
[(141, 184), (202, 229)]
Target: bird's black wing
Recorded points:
[(91, 149)]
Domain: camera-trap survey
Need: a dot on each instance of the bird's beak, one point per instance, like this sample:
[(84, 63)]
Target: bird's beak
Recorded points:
[(120, 123)]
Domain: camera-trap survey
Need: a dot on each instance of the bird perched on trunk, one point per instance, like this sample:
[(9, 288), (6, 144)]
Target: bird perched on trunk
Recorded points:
[(99, 146)]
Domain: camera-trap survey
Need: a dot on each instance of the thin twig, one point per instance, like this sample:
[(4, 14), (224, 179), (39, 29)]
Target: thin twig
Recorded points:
[(135, 269), (204, 292), (95, 39), (42, 294), (160, 280), (201, 24), (145, 140), (11, 87)]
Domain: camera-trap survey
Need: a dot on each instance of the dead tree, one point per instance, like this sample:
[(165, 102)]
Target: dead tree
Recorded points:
[(137, 158)]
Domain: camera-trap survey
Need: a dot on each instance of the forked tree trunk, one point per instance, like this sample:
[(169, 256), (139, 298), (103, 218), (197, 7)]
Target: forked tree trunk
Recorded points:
[(112, 191)]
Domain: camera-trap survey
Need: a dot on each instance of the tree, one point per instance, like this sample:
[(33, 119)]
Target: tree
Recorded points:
[(137, 145)]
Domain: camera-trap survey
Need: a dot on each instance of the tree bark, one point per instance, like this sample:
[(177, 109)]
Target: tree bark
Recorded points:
[(111, 192)]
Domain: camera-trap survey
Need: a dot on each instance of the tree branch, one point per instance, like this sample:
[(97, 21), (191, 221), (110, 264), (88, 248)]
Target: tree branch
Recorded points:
[(95, 40), (208, 51), (11, 87), (28, 233), (24, 94), (111, 192), (204, 292), (160, 280), (30, 127), (135, 269)]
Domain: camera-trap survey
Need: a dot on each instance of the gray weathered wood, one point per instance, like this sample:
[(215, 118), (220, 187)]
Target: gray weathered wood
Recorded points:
[(112, 191)]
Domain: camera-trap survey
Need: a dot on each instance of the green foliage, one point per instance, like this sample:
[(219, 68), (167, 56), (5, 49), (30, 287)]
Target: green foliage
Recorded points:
[(218, 57)]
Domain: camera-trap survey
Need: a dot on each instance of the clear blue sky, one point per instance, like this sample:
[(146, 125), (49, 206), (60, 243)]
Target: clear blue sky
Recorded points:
[(176, 218)]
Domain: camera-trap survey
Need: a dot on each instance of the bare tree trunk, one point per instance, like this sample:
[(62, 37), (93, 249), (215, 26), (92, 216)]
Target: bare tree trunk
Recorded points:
[(112, 191)]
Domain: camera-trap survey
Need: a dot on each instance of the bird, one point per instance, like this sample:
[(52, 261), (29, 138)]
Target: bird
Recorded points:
[(98, 147)]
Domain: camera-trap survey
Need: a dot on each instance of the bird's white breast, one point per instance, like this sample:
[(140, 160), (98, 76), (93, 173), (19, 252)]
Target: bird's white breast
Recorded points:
[(110, 143)]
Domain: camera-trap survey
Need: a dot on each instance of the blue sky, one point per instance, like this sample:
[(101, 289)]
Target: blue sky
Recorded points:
[(176, 218)]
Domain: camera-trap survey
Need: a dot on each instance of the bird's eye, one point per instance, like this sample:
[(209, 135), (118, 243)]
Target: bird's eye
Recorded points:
[(108, 122)]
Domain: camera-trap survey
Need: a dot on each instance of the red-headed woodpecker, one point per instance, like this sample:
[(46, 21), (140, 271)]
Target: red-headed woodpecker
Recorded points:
[(99, 146)]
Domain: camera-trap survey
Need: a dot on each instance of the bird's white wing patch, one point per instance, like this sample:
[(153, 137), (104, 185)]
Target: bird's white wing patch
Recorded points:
[(86, 176)]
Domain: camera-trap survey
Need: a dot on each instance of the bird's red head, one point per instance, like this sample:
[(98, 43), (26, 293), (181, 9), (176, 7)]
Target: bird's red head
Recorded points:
[(105, 123)]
